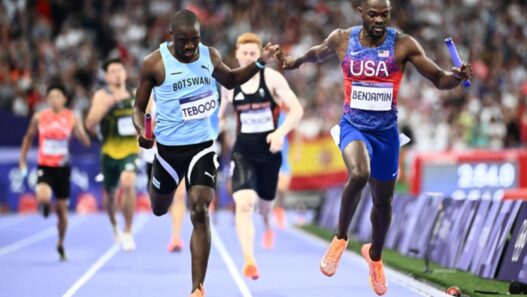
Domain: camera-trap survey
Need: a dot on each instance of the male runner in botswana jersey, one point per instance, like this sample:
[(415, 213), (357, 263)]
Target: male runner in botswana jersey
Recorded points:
[(183, 74)]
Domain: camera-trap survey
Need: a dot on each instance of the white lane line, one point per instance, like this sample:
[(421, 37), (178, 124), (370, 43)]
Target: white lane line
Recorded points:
[(238, 279), (12, 221), (102, 260), (394, 275), (92, 270), (44, 234)]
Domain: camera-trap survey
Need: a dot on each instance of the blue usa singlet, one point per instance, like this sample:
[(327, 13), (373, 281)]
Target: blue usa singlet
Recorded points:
[(371, 83), (186, 100)]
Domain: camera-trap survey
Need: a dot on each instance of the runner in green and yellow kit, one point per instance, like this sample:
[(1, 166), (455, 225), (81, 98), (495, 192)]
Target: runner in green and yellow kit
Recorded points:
[(112, 109)]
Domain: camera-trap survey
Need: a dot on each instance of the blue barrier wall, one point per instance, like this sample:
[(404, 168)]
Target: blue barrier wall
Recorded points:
[(485, 237)]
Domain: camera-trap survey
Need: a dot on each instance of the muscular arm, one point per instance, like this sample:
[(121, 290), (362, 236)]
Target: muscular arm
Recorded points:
[(317, 53), (281, 90), (146, 84), (230, 78), (28, 139), (80, 133), (441, 78), (226, 99), (99, 107)]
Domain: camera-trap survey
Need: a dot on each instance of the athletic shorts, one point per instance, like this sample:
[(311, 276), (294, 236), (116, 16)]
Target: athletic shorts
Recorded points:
[(382, 146), (148, 173), (58, 179), (196, 163), (256, 173), (111, 169)]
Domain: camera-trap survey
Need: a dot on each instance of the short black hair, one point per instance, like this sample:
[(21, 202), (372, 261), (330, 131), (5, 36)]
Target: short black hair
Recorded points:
[(109, 61), (57, 86), (362, 2), (183, 17)]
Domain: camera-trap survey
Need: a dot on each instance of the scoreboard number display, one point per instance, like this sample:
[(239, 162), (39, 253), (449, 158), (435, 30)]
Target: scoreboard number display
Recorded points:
[(474, 175)]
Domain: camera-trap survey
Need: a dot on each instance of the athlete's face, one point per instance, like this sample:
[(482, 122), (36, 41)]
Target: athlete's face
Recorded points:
[(375, 17), (186, 42), (56, 99), (246, 53), (116, 74)]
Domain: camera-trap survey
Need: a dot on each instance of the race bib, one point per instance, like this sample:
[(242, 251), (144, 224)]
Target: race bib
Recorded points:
[(55, 147), (371, 96), (125, 126), (198, 107), (256, 121)]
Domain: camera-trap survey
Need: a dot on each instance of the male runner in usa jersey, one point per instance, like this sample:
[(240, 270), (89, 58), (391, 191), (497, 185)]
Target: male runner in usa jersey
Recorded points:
[(373, 58)]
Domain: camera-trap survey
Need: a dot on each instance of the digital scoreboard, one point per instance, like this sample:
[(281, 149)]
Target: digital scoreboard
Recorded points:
[(475, 174)]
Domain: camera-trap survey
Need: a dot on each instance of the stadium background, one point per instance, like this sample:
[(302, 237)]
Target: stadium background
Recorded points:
[(468, 148)]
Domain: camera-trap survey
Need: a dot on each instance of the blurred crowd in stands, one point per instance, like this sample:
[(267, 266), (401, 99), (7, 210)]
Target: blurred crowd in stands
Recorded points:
[(44, 40)]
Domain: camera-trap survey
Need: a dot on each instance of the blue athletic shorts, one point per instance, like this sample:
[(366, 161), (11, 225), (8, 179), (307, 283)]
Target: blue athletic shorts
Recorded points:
[(382, 146)]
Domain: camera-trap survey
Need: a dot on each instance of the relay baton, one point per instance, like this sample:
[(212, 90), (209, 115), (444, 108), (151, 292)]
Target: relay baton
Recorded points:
[(455, 57), (148, 125)]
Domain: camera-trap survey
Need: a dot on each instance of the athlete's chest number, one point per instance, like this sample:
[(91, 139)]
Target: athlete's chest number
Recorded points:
[(371, 96), (257, 121), (125, 127), (198, 107), (55, 147)]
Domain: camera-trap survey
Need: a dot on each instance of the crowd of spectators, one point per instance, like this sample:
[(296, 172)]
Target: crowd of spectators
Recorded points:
[(44, 40)]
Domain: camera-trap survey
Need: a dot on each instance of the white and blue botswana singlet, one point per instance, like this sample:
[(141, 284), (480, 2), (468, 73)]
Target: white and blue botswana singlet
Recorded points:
[(185, 100)]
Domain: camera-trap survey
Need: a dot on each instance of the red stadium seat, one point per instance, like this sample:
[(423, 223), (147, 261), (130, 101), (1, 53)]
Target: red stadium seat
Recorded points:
[(86, 203), (27, 203), (142, 203)]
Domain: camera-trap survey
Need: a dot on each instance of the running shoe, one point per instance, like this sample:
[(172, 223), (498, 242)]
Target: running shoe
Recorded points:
[(128, 242), (377, 279), (251, 271), (175, 246), (330, 260), (199, 292), (62, 253), (268, 240)]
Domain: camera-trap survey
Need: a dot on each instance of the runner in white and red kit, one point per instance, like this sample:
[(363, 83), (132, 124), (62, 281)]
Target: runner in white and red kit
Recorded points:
[(54, 126)]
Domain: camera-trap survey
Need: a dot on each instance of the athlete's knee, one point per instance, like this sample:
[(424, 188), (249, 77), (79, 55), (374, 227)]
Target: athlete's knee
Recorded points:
[(359, 176), (62, 206), (43, 192), (159, 211), (160, 202), (245, 202), (264, 207), (127, 180), (199, 213), (383, 203), (109, 196)]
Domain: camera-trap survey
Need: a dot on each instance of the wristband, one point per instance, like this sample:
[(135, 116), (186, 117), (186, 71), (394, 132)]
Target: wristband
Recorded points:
[(259, 63)]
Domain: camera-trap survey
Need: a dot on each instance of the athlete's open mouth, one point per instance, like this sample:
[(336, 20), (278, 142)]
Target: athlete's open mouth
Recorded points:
[(378, 29)]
